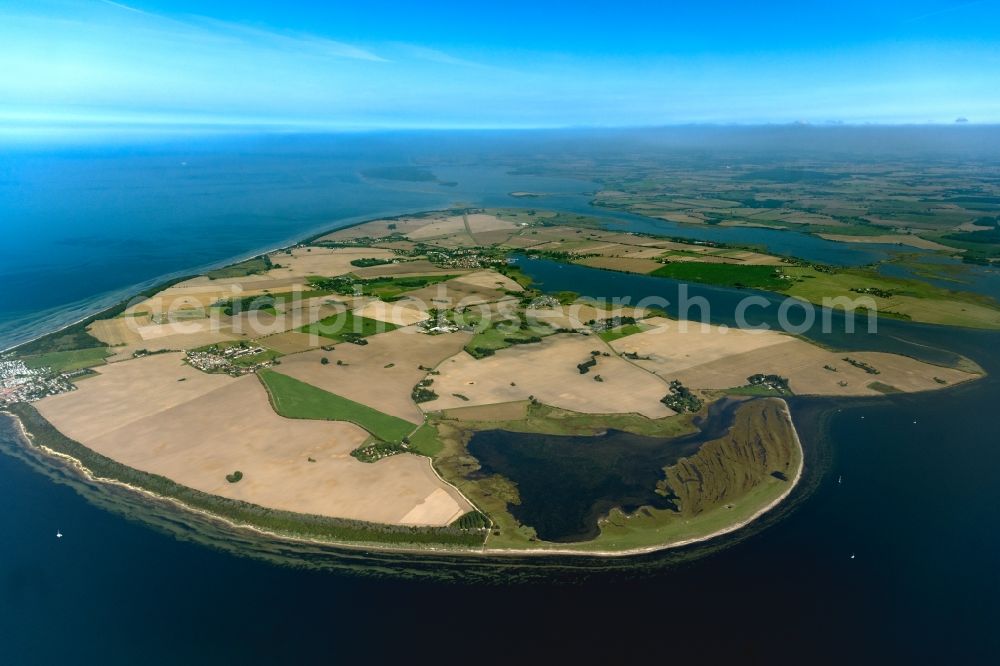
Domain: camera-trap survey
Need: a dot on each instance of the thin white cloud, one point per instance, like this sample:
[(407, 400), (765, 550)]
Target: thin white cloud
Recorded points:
[(300, 42), (434, 55), (946, 10), (126, 7)]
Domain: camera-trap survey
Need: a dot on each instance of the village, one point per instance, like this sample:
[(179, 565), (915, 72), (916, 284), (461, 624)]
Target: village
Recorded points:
[(237, 360), (20, 383)]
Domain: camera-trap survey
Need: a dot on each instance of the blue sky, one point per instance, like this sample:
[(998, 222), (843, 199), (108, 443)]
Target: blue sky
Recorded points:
[(380, 64)]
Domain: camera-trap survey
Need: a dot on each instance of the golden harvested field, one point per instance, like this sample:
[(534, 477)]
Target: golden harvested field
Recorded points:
[(504, 411), (719, 358), (259, 323), (402, 269), (378, 228), (452, 293), (129, 334), (548, 371), (292, 342), (624, 250), (364, 376), (201, 292), (328, 262), (196, 431), (117, 331), (576, 315), (456, 224), (496, 237), (488, 279), (626, 264), (398, 313), (891, 239)]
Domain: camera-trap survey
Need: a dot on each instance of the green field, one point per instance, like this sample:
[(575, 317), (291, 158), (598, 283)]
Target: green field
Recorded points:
[(390, 288), (493, 339), (725, 275), (347, 325), (425, 441), (266, 302), (622, 331), (68, 361), (910, 299), (297, 400)]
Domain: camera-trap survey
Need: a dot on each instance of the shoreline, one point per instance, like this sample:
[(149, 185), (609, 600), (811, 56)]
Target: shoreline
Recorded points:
[(28, 439), (160, 282)]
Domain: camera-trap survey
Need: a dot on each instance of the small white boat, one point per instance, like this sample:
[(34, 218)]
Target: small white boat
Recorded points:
[(852, 556), (58, 534), (840, 479)]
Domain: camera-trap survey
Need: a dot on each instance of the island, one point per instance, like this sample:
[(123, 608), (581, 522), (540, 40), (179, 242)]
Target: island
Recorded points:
[(404, 384)]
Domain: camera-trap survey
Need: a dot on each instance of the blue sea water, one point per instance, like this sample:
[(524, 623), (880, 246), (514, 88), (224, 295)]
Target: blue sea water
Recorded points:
[(918, 504)]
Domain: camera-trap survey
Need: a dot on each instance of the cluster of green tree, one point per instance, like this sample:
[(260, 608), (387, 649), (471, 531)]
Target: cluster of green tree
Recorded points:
[(365, 262), (557, 255), (612, 322), (375, 451), (283, 522), (873, 291), (861, 364), (235, 477), (991, 235), (473, 520), (522, 340), (253, 266), (422, 391), (681, 399), (235, 306), (776, 382)]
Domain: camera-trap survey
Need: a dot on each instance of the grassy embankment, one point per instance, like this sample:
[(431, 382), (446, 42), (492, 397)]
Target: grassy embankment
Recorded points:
[(280, 522)]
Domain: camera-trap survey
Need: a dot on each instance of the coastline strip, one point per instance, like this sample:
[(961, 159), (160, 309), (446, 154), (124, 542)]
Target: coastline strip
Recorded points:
[(455, 549)]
